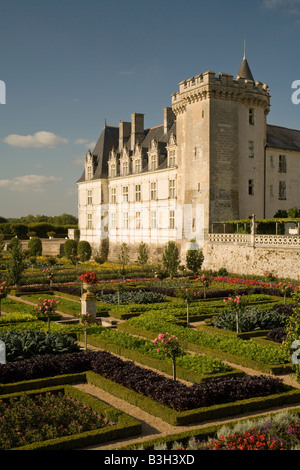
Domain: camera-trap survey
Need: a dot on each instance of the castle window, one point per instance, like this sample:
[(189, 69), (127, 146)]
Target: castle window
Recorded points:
[(89, 221), (113, 172), (89, 173), (172, 189), (138, 192), (172, 219), (251, 149), (89, 197), (282, 164), (153, 162), (125, 168), (282, 190), (125, 193), (172, 159), (125, 220), (113, 196), (137, 168), (153, 219), (251, 187), (137, 220), (153, 192), (251, 116)]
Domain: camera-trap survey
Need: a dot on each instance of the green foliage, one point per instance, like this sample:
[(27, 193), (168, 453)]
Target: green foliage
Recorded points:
[(249, 320), (124, 255), (293, 332), (84, 250), (170, 258), (70, 248), (35, 246), (16, 262), (270, 355), (138, 297), (143, 254), (25, 344), (194, 257)]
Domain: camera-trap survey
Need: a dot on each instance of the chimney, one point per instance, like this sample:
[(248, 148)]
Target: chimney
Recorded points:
[(137, 129), (169, 118), (124, 133)]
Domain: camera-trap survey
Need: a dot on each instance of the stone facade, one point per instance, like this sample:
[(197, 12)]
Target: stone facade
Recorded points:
[(209, 161)]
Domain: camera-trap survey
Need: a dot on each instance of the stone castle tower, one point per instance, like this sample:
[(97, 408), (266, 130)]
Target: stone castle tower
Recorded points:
[(220, 128)]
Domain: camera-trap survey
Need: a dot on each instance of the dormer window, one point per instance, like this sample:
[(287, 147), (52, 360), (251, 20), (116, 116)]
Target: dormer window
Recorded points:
[(89, 166), (172, 158), (113, 170), (153, 156), (112, 164), (171, 148), (125, 168), (137, 165), (89, 172), (125, 163), (153, 162)]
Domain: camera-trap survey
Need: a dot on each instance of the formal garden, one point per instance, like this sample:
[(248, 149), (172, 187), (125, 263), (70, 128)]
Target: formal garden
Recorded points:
[(174, 340)]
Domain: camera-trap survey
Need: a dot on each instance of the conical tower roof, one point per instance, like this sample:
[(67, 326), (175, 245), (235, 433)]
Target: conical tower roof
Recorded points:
[(244, 71)]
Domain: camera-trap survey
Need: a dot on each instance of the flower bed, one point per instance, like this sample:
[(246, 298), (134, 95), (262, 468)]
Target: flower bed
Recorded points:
[(280, 431), (247, 353), (192, 367), (59, 418)]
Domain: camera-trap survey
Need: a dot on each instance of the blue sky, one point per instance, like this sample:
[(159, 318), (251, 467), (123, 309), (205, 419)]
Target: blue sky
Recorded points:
[(70, 64)]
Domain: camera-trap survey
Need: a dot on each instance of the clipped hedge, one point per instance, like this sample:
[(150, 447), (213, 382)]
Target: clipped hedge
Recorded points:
[(190, 367), (184, 418), (268, 359)]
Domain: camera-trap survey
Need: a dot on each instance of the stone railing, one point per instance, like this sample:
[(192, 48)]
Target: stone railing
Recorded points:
[(277, 240), (237, 238), (255, 240)]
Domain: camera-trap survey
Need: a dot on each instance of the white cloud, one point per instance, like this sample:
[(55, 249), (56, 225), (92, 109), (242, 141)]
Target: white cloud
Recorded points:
[(86, 143), (28, 183), (289, 6), (37, 140)]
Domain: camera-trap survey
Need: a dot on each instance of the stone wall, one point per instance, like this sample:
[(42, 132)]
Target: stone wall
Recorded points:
[(243, 254)]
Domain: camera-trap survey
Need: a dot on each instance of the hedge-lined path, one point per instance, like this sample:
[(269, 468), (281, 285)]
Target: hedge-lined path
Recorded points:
[(154, 427)]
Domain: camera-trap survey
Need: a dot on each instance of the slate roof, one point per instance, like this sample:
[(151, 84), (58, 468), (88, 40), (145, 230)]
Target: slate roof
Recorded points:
[(244, 71), (283, 138), (109, 139)]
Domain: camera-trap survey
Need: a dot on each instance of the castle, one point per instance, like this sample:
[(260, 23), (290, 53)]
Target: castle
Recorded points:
[(213, 159)]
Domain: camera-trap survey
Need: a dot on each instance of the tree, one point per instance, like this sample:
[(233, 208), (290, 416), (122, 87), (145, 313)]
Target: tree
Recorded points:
[(194, 257), (124, 257), (170, 258), (16, 263), (84, 250), (35, 246), (143, 254), (70, 248), (101, 255), (170, 346)]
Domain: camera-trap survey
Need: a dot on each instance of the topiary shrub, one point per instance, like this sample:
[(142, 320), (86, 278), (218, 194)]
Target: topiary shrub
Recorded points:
[(84, 250), (70, 248), (35, 246)]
